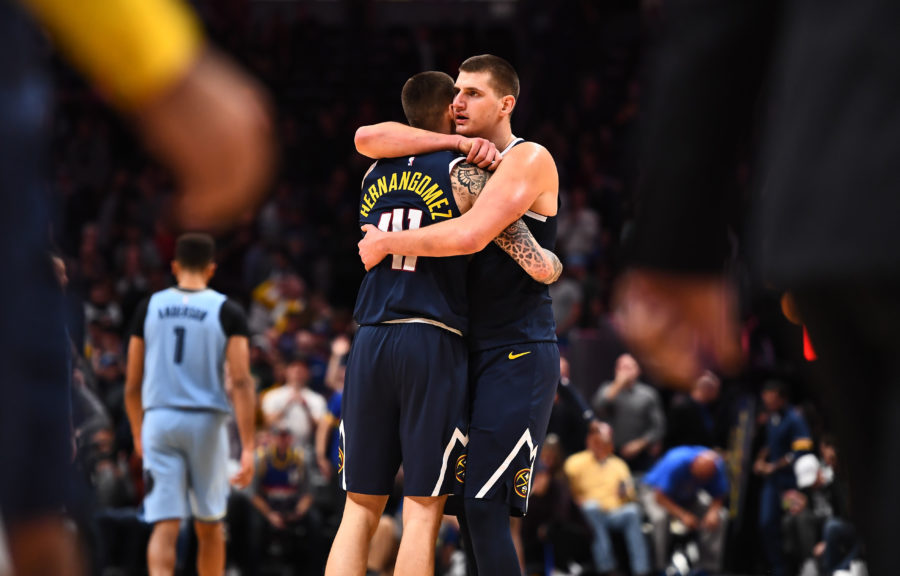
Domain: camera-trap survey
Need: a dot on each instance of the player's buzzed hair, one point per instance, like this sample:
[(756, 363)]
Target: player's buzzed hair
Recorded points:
[(426, 98), (194, 251), (504, 78)]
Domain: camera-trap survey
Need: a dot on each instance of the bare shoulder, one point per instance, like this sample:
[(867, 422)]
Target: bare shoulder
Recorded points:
[(531, 159), (532, 165), (530, 152)]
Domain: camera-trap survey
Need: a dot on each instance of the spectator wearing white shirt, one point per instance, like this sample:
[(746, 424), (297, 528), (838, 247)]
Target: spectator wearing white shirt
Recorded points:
[(295, 406)]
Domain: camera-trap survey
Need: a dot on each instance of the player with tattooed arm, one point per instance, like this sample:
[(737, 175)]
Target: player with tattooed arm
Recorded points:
[(405, 396), (514, 359)]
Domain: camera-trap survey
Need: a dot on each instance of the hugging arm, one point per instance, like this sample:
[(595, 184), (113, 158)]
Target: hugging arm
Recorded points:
[(516, 239)]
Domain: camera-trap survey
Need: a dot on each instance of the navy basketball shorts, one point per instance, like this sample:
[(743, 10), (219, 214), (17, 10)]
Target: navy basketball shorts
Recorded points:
[(512, 392), (405, 400)]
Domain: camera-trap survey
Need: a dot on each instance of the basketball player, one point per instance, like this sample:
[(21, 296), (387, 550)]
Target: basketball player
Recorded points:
[(514, 359), (182, 340), (406, 385), (198, 113)]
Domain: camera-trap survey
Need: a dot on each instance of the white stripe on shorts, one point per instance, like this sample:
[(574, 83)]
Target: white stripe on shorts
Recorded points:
[(532, 453), (463, 439)]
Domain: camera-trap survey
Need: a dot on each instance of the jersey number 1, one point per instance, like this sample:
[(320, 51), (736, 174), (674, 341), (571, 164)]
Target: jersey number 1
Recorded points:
[(393, 222), (179, 344)]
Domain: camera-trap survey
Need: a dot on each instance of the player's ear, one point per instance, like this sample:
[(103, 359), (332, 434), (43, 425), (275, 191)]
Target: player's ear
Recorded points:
[(210, 270), (450, 119), (176, 269), (507, 103)]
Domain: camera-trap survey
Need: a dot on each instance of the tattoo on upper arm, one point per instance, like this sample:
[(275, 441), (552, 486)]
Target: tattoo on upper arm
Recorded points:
[(540, 263), (467, 181)]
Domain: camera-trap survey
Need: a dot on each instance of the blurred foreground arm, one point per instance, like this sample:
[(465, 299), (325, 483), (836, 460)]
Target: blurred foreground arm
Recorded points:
[(197, 112), (676, 308), (679, 325)]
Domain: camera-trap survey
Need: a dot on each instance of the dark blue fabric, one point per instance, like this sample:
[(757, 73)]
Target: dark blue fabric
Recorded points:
[(782, 430), (507, 305), (35, 423), (493, 551), (404, 400), (400, 194), (512, 391)]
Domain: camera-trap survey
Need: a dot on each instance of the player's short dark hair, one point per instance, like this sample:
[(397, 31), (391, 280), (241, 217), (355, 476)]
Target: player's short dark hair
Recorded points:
[(195, 251), (504, 78), (426, 98)]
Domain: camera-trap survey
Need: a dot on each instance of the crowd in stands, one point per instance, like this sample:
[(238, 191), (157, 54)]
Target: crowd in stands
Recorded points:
[(653, 478)]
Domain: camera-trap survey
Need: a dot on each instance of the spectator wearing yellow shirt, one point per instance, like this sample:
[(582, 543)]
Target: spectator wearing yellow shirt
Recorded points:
[(602, 487)]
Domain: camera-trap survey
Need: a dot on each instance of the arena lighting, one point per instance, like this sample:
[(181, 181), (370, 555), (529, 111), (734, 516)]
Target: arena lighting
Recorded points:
[(789, 310), (808, 351)]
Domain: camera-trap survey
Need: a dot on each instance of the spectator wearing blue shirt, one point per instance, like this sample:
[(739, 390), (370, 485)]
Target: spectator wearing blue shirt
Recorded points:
[(689, 483), (787, 437)]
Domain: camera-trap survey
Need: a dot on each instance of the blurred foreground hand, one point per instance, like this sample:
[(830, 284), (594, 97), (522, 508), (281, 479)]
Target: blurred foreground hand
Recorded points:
[(678, 325), (214, 131)]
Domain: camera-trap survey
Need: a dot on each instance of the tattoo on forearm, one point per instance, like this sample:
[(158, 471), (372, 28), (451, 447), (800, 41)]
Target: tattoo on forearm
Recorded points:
[(557, 265), (540, 263)]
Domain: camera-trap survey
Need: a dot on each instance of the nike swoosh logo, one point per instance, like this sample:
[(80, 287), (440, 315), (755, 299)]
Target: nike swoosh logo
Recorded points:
[(514, 356)]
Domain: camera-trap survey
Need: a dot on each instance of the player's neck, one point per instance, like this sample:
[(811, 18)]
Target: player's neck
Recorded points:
[(502, 136), (191, 281)]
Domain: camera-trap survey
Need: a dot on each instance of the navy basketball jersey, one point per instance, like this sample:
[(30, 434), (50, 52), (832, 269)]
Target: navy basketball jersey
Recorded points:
[(185, 333), (506, 305), (403, 194)]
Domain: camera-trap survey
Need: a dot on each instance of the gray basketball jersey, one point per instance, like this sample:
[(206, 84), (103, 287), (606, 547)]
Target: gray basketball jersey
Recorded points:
[(184, 351)]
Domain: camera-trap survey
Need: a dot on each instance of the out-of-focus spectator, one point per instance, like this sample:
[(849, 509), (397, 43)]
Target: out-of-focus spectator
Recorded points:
[(328, 455), (282, 497), (554, 533), (132, 285), (274, 300), (805, 513), (698, 418), (820, 507), (102, 306), (91, 261), (294, 405), (579, 226), (312, 349), (602, 486), (635, 412), (107, 359), (568, 297), (787, 438), (261, 362), (689, 484), (107, 363), (286, 335), (571, 415)]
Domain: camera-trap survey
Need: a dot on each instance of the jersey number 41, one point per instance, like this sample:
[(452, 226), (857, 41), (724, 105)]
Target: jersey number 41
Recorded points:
[(393, 222)]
